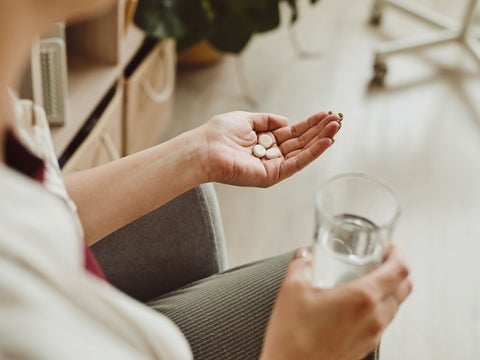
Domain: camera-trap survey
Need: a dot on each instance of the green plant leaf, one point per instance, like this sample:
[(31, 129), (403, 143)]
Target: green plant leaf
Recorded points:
[(235, 22), (264, 17), (231, 34), (227, 24), (172, 18)]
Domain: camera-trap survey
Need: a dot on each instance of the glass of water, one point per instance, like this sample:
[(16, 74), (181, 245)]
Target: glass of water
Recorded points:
[(355, 217)]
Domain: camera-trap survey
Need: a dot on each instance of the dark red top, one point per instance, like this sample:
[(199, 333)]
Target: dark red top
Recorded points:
[(22, 160)]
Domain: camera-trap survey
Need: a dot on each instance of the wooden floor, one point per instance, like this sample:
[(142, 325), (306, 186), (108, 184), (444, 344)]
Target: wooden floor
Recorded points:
[(420, 132)]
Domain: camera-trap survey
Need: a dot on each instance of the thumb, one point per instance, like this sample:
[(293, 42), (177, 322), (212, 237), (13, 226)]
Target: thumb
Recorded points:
[(301, 265), (301, 253)]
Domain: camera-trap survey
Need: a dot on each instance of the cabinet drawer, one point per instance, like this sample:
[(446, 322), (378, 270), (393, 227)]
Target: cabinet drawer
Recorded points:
[(104, 143), (148, 98)]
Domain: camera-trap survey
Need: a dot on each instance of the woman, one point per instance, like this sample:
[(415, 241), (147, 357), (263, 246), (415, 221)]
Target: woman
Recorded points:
[(53, 302)]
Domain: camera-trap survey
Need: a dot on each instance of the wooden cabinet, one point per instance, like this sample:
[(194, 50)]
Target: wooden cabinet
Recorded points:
[(148, 98), (104, 141), (100, 51)]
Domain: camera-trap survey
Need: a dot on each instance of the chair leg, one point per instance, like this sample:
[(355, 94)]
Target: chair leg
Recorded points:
[(377, 12), (416, 42), (450, 32), (473, 45), (422, 13)]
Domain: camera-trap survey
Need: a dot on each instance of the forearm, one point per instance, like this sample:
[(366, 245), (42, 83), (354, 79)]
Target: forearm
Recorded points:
[(113, 195)]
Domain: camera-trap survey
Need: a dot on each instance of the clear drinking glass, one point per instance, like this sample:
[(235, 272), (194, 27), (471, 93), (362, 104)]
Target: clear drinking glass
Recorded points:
[(355, 217)]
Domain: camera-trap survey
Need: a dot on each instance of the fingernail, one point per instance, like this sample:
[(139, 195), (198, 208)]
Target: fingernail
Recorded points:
[(330, 112), (339, 123), (341, 115), (333, 141)]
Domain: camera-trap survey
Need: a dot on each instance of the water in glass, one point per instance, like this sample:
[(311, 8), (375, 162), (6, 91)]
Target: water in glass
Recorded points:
[(346, 250)]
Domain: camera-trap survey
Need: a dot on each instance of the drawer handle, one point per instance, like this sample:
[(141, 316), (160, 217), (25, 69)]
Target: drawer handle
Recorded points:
[(166, 93), (110, 146)]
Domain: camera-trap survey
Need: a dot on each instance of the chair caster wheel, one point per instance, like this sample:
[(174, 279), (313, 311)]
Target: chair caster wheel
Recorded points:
[(375, 20), (379, 72), (376, 14)]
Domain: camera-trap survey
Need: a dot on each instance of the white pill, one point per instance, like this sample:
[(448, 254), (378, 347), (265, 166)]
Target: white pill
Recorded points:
[(273, 153), (259, 151), (265, 140)]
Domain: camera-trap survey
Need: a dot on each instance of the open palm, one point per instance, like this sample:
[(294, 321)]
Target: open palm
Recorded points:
[(232, 136)]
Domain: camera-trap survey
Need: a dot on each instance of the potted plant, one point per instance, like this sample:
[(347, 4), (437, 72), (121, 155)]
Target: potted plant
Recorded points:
[(225, 26)]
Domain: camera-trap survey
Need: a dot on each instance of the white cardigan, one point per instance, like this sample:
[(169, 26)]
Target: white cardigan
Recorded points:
[(50, 306)]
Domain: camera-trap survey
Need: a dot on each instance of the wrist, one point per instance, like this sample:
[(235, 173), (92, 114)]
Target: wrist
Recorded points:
[(196, 155)]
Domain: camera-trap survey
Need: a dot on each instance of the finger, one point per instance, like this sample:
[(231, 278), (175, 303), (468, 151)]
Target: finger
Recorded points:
[(298, 129), (389, 306), (388, 276), (327, 128), (301, 158), (317, 148), (386, 311), (330, 131), (301, 266), (262, 122), (403, 291)]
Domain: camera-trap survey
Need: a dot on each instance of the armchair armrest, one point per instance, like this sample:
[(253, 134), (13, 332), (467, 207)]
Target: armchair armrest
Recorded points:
[(174, 245)]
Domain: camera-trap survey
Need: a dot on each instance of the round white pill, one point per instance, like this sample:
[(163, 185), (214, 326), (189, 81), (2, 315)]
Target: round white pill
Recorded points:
[(259, 151), (273, 153), (265, 140)]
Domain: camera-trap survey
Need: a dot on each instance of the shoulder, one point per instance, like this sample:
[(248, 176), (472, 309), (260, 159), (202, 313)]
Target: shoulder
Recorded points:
[(31, 126)]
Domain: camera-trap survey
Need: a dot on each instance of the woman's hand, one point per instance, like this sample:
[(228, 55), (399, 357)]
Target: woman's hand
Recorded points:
[(343, 323), (226, 155)]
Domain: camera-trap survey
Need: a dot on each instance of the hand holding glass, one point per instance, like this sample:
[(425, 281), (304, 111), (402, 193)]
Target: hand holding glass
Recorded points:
[(355, 216)]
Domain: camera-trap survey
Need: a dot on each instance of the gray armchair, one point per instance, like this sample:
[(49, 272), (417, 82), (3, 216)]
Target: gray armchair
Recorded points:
[(177, 244)]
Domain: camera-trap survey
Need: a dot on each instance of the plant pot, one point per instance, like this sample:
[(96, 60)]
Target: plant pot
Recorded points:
[(200, 55)]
